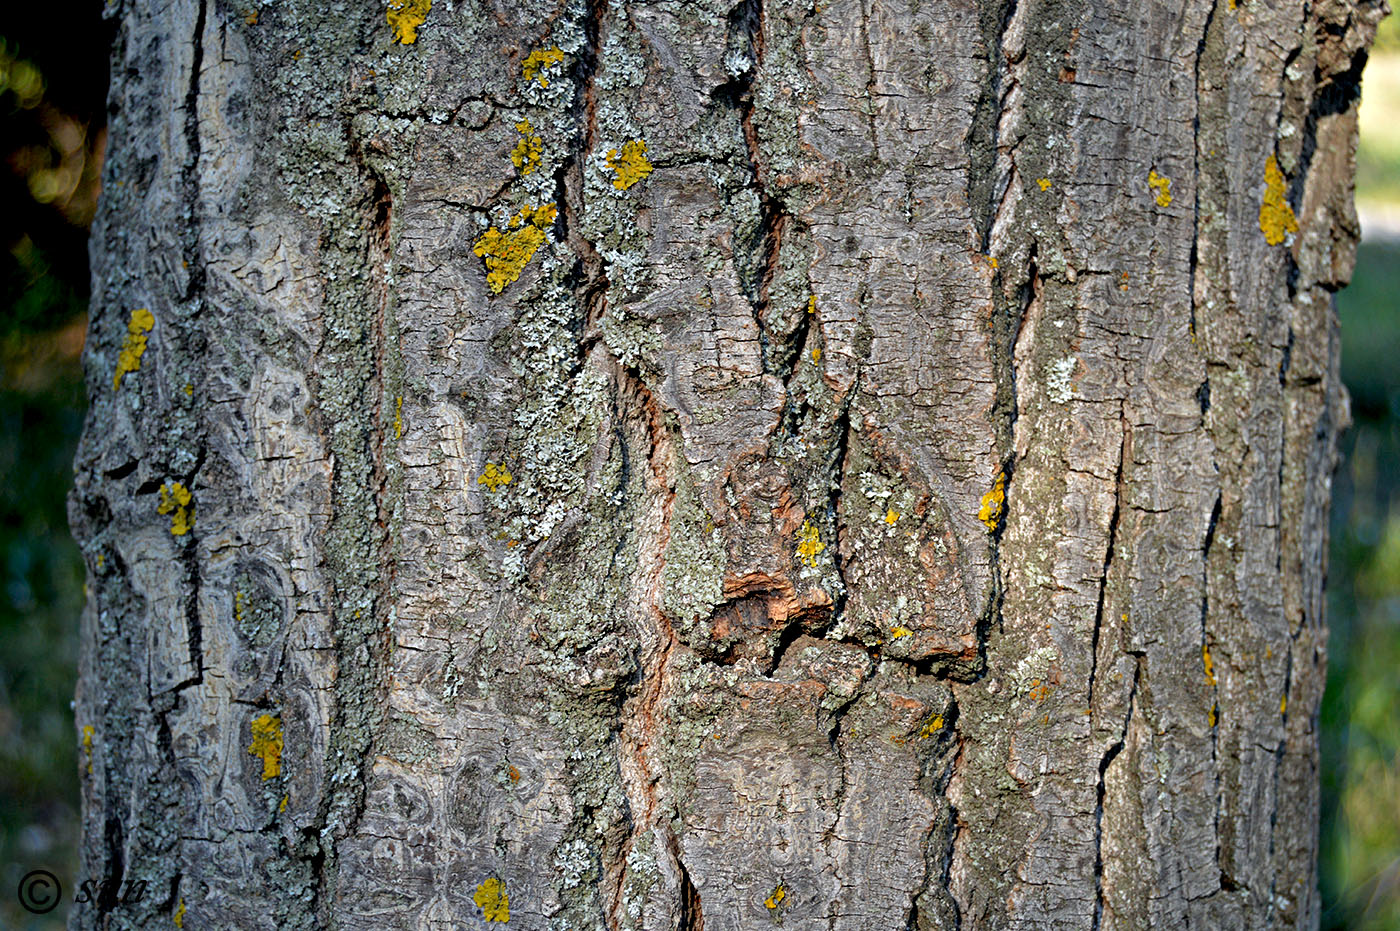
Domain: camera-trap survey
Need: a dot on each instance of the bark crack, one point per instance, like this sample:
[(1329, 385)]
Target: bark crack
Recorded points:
[(1107, 760), (1108, 554)]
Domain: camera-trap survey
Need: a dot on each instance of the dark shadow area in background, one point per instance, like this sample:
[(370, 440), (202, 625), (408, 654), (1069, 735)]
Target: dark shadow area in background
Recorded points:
[(53, 88), (51, 117)]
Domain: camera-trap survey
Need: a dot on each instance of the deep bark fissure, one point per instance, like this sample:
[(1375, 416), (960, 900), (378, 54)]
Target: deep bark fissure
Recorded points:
[(1101, 790), (1108, 553)]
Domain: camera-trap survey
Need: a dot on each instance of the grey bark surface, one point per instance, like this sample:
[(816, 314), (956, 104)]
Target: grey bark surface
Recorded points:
[(904, 507)]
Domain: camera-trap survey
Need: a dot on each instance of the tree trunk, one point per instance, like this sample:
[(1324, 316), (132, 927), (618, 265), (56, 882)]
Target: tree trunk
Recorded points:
[(857, 464)]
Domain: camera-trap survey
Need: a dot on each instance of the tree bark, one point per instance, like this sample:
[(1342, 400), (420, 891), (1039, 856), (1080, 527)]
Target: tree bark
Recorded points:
[(856, 464)]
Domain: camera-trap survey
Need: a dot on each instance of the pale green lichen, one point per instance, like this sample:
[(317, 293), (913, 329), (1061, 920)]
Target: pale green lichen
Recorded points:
[(1162, 185), (507, 252), (630, 164), (406, 16), (134, 346), (176, 500), (527, 152), (539, 61), (267, 744), (993, 502), (492, 899), (1276, 217)]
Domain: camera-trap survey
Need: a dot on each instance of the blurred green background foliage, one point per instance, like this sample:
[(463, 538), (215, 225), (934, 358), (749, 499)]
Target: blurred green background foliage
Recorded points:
[(52, 92)]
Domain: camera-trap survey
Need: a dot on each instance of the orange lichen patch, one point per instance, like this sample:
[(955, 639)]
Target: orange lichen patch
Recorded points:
[(630, 165), (809, 543), (816, 355), (87, 746), (252, 20), (491, 898), (507, 252), (1209, 664), (179, 917), (267, 744), (993, 503), (1162, 185), (494, 477), (1041, 690), (538, 61), (897, 632), (134, 346), (513, 773), (932, 726), (1276, 218), (176, 500), (775, 898), (406, 16), (1044, 183), (527, 152)]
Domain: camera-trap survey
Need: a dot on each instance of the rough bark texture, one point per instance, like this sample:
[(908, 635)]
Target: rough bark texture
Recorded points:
[(904, 507)]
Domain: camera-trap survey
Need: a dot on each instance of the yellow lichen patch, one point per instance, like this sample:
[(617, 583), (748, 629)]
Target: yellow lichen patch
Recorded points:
[(932, 726), (176, 500), (398, 418), (1210, 718), (1162, 185), (494, 477), (816, 355), (507, 252), (134, 346), (526, 154), (1044, 183), (630, 165), (897, 632), (775, 898), (891, 517), (491, 898), (1276, 218), (406, 16), (992, 262), (179, 917), (87, 745), (993, 502), (282, 805), (1209, 664), (539, 60), (809, 543), (1283, 705), (267, 744)]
